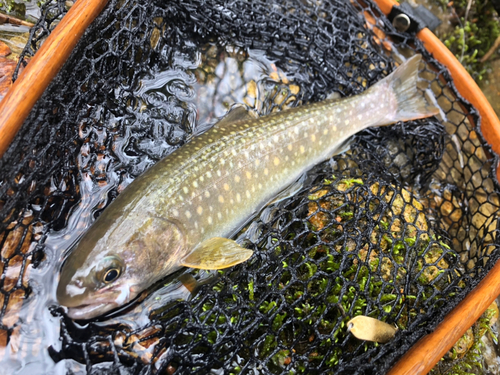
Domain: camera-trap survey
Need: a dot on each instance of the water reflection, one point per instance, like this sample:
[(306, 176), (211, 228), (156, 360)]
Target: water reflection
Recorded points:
[(164, 111)]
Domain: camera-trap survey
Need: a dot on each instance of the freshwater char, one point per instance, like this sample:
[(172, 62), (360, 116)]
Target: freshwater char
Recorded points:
[(181, 212)]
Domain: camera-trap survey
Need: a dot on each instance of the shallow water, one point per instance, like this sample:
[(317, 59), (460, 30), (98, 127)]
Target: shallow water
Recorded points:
[(168, 109), (165, 111)]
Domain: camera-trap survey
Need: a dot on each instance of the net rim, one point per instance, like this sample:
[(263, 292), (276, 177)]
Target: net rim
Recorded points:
[(43, 67), (50, 58), (424, 355)]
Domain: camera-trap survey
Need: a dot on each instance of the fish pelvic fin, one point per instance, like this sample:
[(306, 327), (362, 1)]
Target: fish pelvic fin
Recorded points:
[(216, 253), (409, 103)]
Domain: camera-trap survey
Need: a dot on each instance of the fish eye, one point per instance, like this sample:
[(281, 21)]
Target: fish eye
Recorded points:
[(111, 275), (109, 269)]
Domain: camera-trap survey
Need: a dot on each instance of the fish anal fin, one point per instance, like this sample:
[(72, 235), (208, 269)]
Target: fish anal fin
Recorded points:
[(216, 253), (344, 147), (289, 191), (238, 112)]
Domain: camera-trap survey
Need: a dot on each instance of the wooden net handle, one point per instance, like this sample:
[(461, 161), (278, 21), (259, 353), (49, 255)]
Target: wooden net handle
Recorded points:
[(42, 68)]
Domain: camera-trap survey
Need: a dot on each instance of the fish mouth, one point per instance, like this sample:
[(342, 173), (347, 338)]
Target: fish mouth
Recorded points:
[(101, 303), (90, 311)]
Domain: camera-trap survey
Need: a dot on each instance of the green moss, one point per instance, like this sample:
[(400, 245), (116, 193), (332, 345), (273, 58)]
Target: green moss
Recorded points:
[(296, 314), (472, 39), (16, 8), (465, 358), (344, 280)]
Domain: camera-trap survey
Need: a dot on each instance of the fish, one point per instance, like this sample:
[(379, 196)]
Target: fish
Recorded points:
[(183, 211)]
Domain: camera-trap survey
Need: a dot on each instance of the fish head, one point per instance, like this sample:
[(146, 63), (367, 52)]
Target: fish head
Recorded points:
[(110, 268)]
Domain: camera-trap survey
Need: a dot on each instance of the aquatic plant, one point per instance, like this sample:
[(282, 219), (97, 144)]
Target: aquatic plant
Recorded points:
[(473, 36), (322, 289), (466, 356)]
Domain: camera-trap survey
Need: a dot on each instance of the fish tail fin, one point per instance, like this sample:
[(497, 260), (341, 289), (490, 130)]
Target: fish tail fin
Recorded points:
[(408, 101)]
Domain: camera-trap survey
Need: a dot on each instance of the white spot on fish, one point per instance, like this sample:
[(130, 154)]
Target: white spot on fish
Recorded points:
[(276, 161), (185, 190), (221, 199), (188, 214), (226, 187), (237, 178), (207, 194), (124, 294), (73, 290), (199, 210)]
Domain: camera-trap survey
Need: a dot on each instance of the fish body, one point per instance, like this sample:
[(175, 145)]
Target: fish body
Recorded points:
[(182, 210)]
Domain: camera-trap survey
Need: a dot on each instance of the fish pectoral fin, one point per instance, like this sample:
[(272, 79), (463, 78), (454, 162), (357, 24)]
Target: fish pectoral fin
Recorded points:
[(216, 253), (238, 112)]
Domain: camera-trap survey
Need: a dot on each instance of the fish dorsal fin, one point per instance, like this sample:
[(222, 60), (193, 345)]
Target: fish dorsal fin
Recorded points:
[(216, 253), (237, 113)]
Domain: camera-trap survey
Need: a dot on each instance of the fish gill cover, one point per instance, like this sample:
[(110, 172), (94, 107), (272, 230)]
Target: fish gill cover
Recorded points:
[(400, 228)]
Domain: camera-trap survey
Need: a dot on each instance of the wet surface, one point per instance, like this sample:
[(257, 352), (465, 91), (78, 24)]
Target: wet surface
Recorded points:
[(183, 95), (170, 106)]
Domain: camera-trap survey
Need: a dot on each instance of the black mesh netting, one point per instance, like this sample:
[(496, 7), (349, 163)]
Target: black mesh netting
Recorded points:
[(399, 228)]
